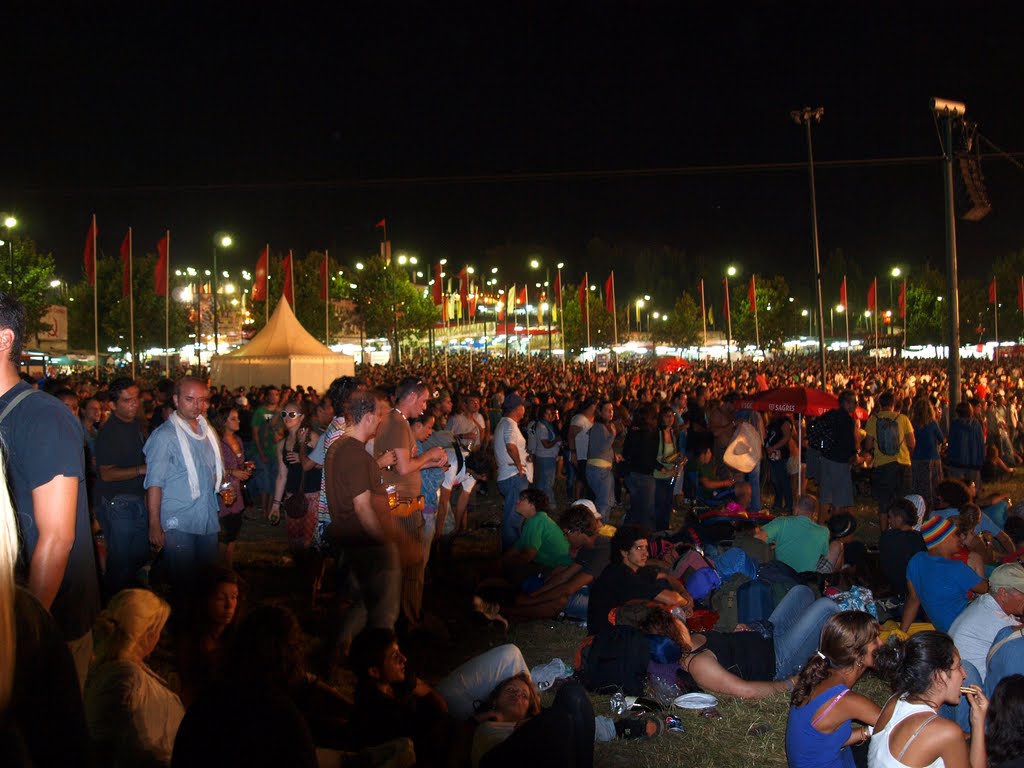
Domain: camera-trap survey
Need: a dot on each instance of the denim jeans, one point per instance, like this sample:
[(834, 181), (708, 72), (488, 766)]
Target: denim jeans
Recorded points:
[(375, 574), (125, 525), (662, 503), (602, 484), (798, 620), (185, 555), (544, 476), (641, 499), (783, 490), (754, 478), (511, 521)]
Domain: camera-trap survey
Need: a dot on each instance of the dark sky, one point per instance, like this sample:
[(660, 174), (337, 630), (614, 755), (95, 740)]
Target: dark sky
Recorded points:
[(304, 126)]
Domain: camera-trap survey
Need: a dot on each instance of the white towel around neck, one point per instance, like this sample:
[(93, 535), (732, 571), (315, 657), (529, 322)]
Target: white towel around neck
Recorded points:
[(207, 433)]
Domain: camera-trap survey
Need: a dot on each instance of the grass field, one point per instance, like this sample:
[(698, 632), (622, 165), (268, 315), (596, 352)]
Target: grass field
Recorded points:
[(747, 734)]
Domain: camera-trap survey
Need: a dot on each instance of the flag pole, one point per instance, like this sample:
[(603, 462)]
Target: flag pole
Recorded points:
[(876, 323), (526, 310), (291, 276), (615, 323), (704, 320), (757, 331), (327, 297), (167, 308), (95, 305), (906, 313), (561, 319), (266, 298), (995, 310), (849, 369), (131, 301), (586, 302)]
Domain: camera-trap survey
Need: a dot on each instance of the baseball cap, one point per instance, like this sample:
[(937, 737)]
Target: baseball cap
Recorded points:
[(588, 504), (936, 530), (1008, 576)]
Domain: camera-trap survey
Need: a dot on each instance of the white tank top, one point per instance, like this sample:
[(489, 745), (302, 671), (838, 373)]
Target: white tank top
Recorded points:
[(879, 755)]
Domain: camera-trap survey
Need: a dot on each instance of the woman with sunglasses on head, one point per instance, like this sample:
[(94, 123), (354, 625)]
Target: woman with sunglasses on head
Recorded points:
[(925, 672), (297, 475)]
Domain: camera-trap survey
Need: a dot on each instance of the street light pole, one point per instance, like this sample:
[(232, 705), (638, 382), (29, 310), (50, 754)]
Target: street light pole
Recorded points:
[(949, 111), (225, 242), (805, 116), (10, 223)]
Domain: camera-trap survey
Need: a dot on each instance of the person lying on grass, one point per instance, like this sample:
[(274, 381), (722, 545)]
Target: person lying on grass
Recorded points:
[(753, 662)]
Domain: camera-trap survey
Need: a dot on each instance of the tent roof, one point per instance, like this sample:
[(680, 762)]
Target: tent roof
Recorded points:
[(283, 336)]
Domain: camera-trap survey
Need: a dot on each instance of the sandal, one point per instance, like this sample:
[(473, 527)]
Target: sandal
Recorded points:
[(645, 728)]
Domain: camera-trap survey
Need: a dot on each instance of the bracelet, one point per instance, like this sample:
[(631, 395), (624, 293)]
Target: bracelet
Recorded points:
[(277, 502)]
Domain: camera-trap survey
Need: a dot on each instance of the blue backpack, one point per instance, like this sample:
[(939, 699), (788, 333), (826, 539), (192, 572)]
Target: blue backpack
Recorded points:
[(732, 561)]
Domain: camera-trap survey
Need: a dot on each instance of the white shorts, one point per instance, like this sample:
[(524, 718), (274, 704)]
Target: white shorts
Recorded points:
[(453, 476)]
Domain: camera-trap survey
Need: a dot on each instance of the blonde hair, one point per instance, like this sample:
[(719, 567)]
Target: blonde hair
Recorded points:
[(8, 559), (131, 615)]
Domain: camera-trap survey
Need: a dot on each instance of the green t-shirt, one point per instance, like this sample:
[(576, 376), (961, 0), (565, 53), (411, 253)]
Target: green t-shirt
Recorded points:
[(799, 541), (263, 424), (542, 533)]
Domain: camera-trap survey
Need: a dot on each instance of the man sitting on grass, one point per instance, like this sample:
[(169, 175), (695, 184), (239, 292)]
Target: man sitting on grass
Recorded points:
[(626, 578), (936, 581), (568, 589), (799, 541)]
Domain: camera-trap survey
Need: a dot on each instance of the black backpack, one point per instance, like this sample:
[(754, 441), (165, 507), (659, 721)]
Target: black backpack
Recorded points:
[(617, 657)]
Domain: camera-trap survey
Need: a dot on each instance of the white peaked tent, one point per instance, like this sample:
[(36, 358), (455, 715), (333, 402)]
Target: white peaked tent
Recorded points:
[(282, 353)]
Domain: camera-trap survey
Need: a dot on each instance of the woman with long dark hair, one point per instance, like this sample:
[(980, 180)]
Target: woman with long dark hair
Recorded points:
[(640, 452), (925, 672), (1006, 723), (601, 459)]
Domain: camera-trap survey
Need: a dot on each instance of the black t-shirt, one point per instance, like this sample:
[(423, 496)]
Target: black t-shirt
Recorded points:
[(746, 654), (43, 440), (616, 586), (119, 444), (45, 722), (895, 548), (840, 445), (593, 560)]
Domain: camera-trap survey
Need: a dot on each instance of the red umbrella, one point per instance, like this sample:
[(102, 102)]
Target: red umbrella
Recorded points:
[(810, 402), (671, 364)]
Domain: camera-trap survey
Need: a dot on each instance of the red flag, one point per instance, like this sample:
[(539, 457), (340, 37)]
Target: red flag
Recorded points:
[(522, 297), (89, 257), (901, 302), (323, 278), (872, 294), (992, 291), (259, 286), (160, 276), (609, 294), (288, 292), (842, 294), (464, 286), (1020, 294), (382, 224), (472, 306), (725, 306), (499, 308), (126, 264), (752, 295), (556, 293), (583, 296), (438, 288)]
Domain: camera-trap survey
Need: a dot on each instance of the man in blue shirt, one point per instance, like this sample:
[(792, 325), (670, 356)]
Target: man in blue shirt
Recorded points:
[(937, 582), (183, 474)]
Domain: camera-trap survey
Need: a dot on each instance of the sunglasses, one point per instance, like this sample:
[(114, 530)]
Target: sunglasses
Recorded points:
[(289, 414)]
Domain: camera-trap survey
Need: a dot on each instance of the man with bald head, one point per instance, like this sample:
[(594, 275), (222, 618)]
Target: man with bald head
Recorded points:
[(184, 471)]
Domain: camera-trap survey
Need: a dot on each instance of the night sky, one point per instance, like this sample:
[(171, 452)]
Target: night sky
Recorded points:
[(471, 127)]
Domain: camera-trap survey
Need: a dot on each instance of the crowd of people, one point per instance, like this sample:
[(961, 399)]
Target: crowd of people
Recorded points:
[(702, 545)]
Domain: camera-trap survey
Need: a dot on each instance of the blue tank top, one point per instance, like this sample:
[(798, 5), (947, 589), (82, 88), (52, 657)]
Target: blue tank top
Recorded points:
[(806, 746)]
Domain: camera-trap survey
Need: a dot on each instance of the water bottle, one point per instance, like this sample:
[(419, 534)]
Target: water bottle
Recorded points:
[(618, 704)]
